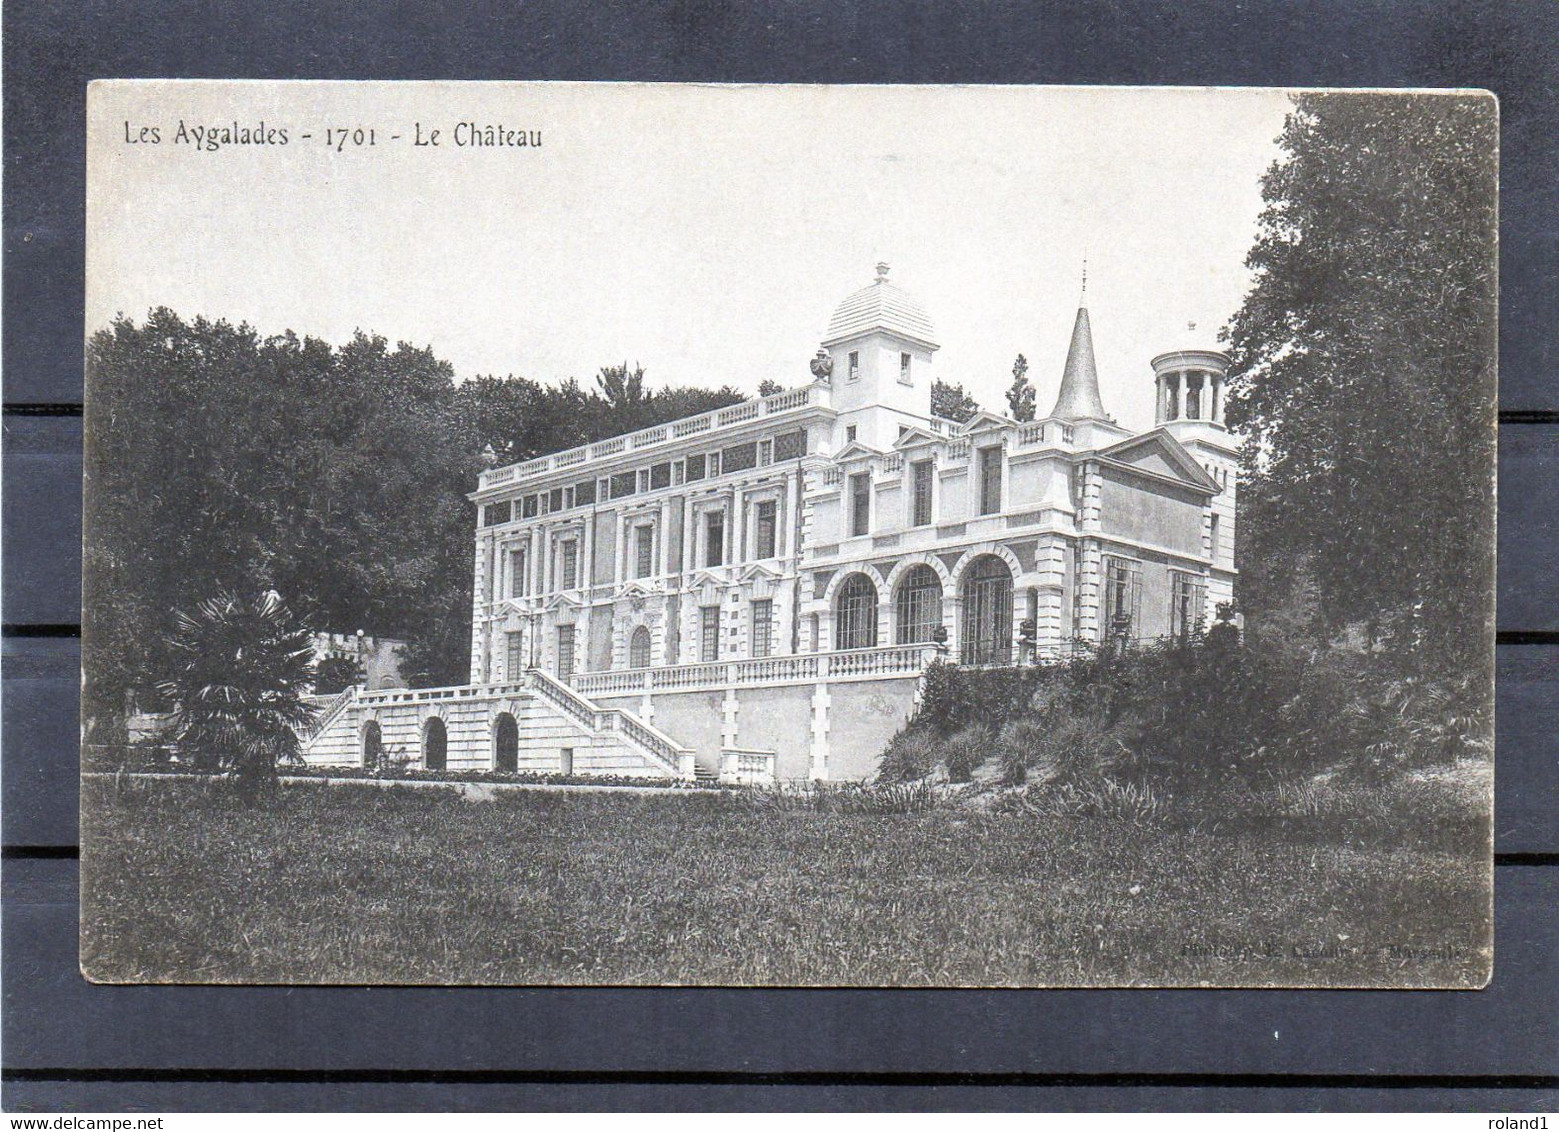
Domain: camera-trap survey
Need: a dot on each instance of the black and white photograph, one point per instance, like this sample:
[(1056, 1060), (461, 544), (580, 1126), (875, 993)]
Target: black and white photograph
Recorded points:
[(739, 535)]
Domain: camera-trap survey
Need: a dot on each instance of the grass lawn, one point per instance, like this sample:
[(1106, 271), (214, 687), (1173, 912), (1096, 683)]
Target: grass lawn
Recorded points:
[(356, 883)]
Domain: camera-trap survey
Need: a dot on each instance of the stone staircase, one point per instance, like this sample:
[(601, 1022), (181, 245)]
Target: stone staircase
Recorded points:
[(675, 759), (554, 728)]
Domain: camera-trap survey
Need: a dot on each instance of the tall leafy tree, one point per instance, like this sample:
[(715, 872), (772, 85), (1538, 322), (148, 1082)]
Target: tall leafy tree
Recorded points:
[(1020, 394), (222, 461), (952, 401), (1364, 373), (622, 388)]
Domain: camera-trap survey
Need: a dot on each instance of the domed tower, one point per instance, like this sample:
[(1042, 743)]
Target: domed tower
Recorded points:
[(1190, 407), (1189, 386), (881, 343)]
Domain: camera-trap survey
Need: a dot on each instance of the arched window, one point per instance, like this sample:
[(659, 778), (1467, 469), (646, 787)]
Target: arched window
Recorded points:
[(987, 636), (918, 606), (639, 648), (435, 745), (855, 614), (506, 743), (373, 744)]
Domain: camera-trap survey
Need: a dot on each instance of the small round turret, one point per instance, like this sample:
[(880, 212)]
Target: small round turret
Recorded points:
[(1190, 386)]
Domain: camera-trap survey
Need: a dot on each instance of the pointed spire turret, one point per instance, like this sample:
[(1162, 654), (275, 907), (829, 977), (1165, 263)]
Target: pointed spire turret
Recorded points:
[(1079, 396)]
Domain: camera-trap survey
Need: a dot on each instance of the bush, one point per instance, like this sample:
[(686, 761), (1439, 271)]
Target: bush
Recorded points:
[(1020, 747), (954, 698), (1200, 715), (910, 755), (1102, 798), (964, 751), (845, 798)]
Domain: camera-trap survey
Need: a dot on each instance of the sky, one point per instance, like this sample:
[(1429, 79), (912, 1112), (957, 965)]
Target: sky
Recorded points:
[(705, 232)]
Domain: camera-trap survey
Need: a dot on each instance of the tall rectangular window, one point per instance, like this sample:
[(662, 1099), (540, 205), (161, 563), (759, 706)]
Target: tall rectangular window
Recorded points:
[(855, 365), (514, 644), (1212, 536), (714, 538), (709, 633), (904, 364), (921, 472), (565, 650), (860, 503), (517, 572), (1122, 598), (766, 542), (762, 628), (643, 551), (568, 564), (1186, 599), (990, 480)]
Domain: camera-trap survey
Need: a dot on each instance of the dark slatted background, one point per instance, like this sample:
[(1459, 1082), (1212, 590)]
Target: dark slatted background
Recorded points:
[(68, 1045)]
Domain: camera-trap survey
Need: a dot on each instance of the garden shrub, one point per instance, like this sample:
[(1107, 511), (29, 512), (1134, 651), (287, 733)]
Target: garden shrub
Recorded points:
[(965, 750), (1198, 716), (1021, 747), (910, 755), (1102, 798), (954, 698)]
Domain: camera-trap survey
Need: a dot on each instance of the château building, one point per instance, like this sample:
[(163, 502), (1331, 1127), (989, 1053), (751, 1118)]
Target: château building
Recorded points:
[(754, 592)]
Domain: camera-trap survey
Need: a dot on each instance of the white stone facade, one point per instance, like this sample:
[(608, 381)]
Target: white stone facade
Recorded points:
[(842, 522)]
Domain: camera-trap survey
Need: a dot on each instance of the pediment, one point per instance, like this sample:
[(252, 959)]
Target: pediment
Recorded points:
[(985, 421), (708, 578), (855, 450), (758, 570), (916, 438), (1160, 454), (562, 601), (635, 589)]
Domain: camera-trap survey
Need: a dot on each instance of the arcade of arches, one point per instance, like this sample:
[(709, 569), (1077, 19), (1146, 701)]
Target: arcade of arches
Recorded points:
[(985, 614)]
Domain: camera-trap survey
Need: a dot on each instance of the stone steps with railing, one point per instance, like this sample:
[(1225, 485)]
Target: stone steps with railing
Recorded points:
[(557, 717), (329, 707), (675, 758)]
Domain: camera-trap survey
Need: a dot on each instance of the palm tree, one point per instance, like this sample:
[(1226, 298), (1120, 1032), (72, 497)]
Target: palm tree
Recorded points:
[(240, 672)]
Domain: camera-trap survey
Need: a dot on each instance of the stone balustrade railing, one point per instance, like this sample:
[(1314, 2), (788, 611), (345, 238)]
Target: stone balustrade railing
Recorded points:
[(328, 710), (594, 718), (433, 695), (850, 664), (745, 766), (564, 698), (660, 434)]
